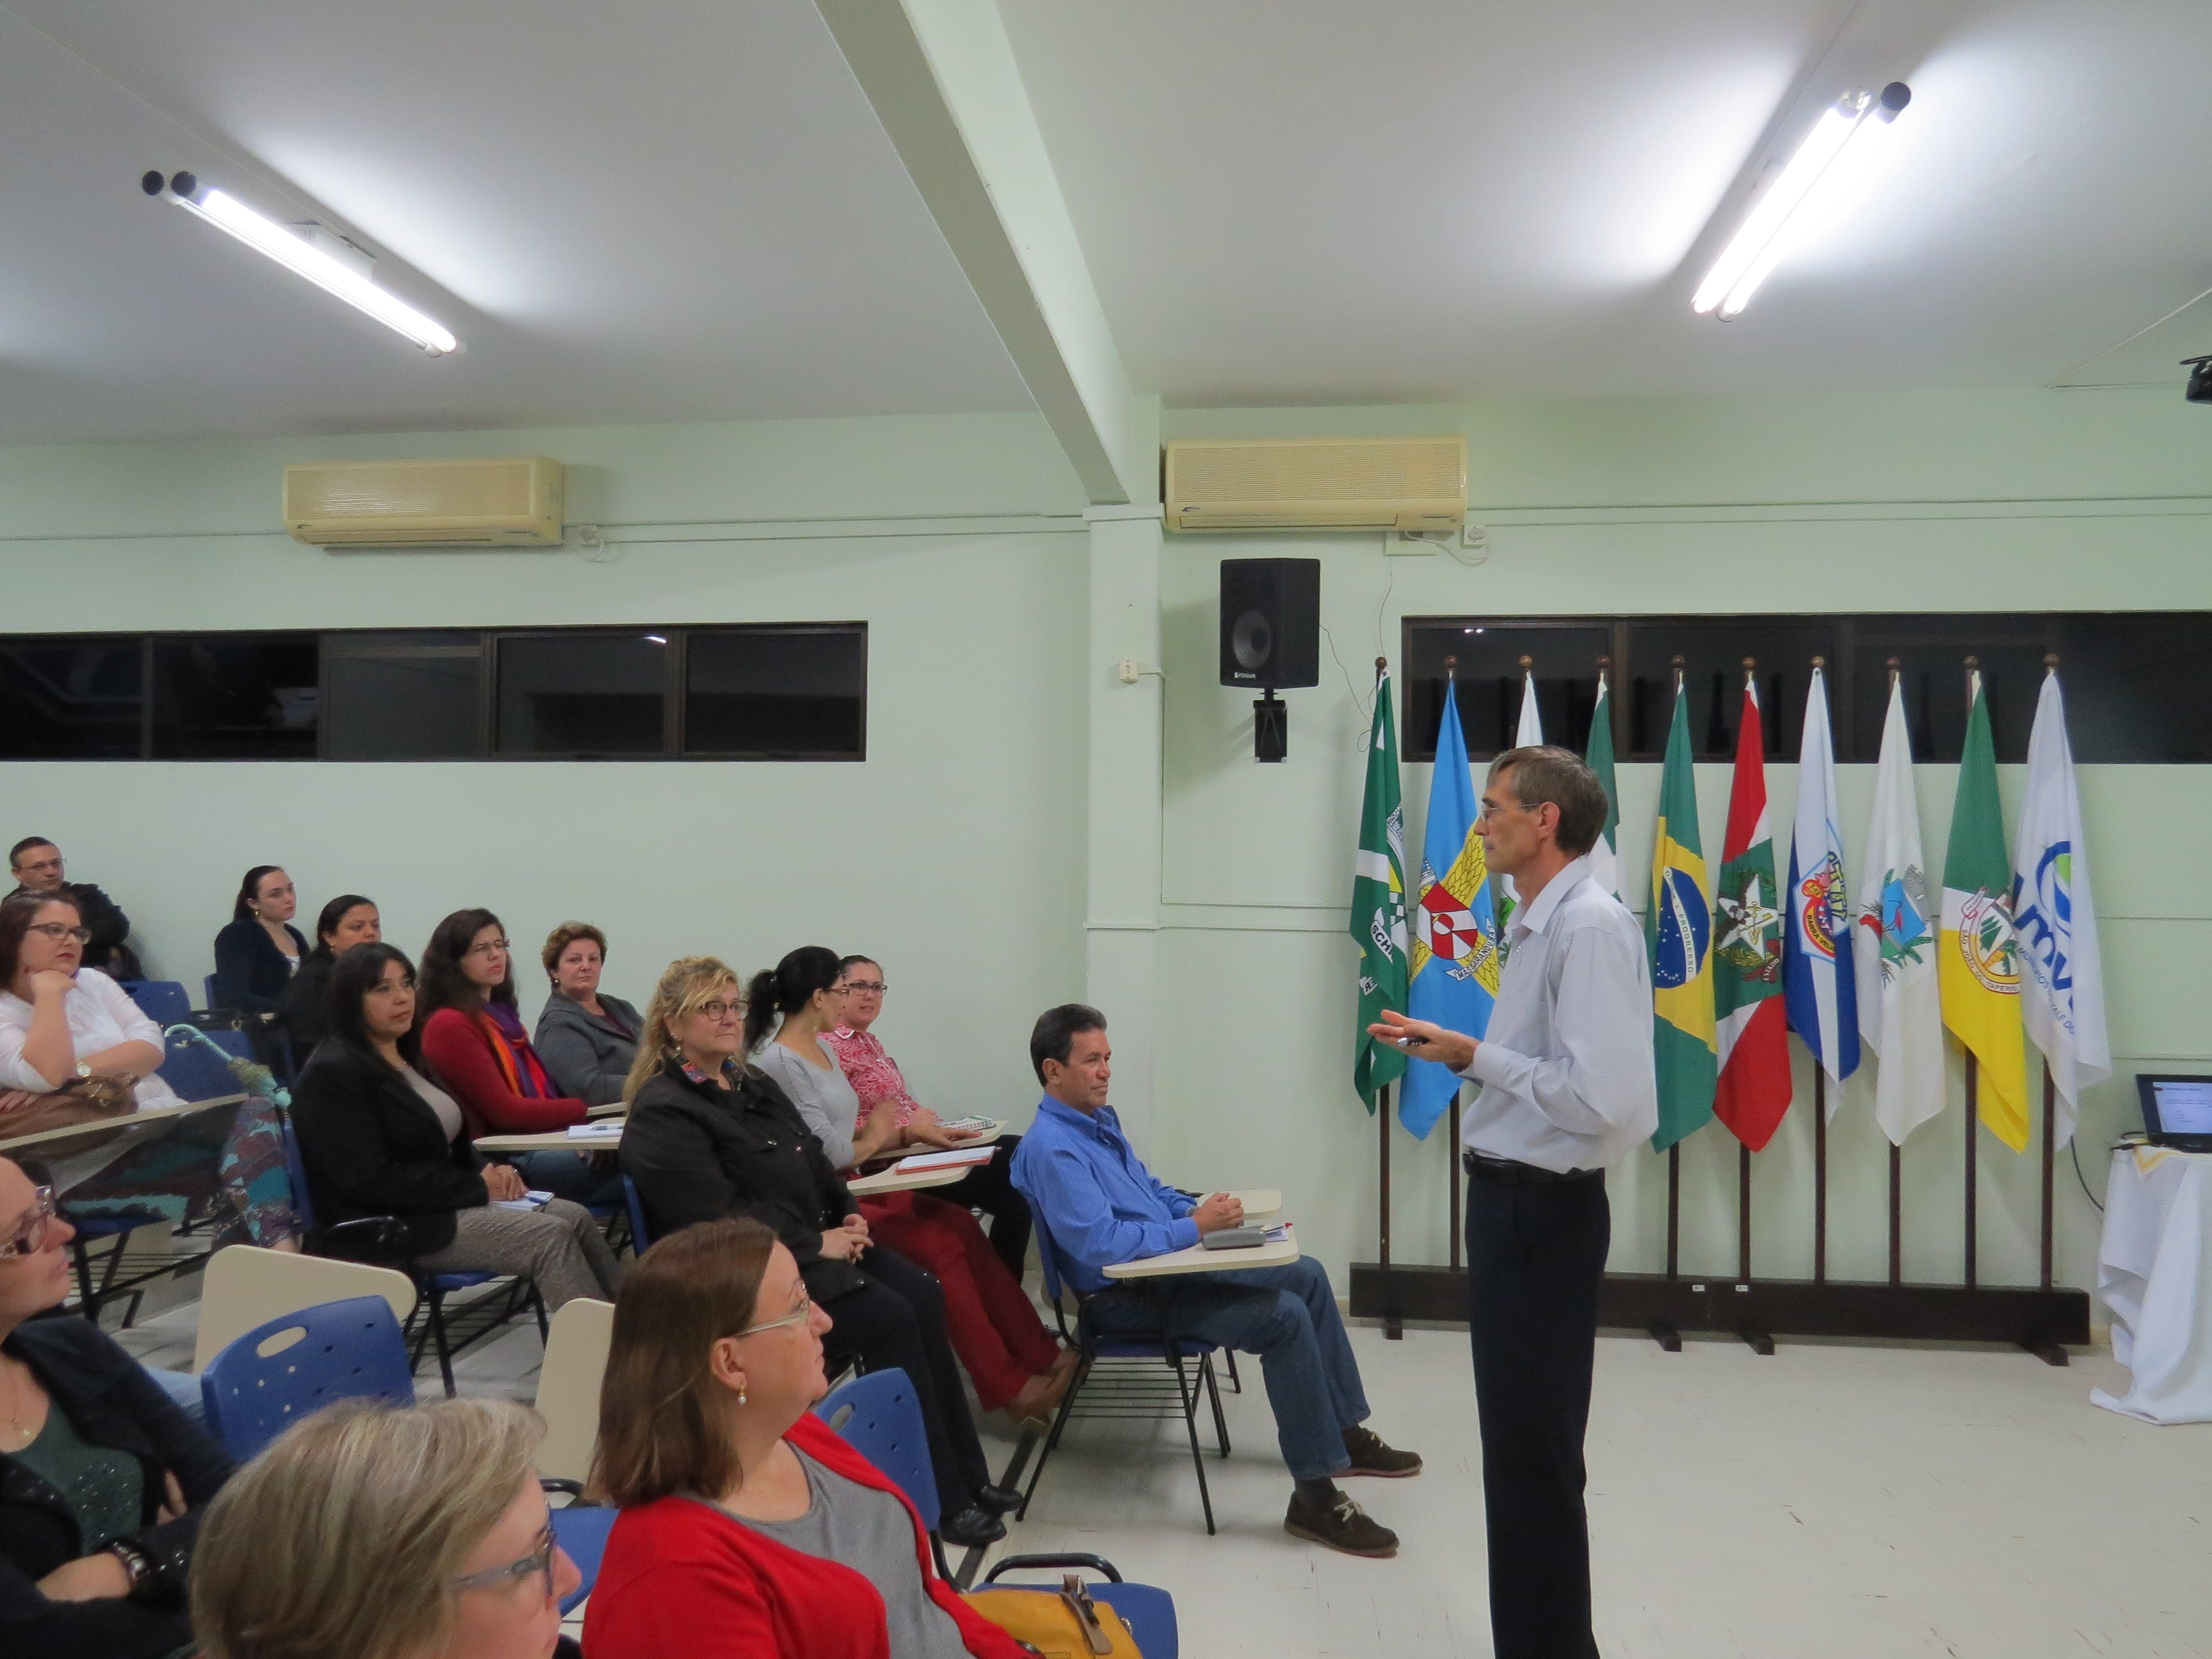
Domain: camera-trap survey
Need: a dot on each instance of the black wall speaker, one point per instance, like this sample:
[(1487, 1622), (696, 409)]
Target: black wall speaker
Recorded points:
[(1270, 623)]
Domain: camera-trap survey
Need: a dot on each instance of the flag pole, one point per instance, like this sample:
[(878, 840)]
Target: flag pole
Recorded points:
[(1674, 1152), (1973, 1072), (1896, 1152), (1451, 692), (1819, 1134), (1743, 1148), (1391, 1327), (2050, 1107)]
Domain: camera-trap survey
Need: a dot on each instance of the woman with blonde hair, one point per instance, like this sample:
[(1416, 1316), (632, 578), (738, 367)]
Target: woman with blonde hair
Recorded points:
[(709, 1136), (749, 1530), (371, 1531)]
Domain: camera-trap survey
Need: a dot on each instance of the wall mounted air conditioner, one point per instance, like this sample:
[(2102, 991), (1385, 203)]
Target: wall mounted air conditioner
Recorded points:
[(1317, 483), (512, 501)]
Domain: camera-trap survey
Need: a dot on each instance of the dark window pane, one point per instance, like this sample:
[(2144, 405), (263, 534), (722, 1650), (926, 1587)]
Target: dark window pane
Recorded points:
[(402, 696), (1931, 652), (581, 693), (1564, 659), (1713, 650), (797, 692), (70, 699), (2139, 688), (235, 696)]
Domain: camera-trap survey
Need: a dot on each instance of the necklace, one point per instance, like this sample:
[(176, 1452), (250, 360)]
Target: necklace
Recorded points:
[(24, 1435)]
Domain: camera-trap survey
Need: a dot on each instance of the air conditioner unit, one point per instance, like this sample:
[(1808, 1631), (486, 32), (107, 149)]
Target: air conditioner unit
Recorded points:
[(1317, 483), (512, 501)]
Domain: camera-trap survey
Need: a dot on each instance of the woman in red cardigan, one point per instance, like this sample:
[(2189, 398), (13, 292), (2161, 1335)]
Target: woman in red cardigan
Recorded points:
[(474, 1038), (749, 1530)]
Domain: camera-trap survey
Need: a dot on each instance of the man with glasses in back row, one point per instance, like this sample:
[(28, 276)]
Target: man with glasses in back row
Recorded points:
[(36, 864), (1565, 1086)]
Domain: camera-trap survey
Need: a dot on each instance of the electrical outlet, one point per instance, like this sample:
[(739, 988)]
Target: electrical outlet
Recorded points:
[(1131, 671)]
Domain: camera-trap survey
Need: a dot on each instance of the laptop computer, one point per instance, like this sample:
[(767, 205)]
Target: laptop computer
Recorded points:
[(2177, 1111)]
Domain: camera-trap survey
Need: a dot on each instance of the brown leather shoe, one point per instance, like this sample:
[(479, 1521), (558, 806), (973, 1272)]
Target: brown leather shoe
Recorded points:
[(1370, 1455), (1341, 1525)]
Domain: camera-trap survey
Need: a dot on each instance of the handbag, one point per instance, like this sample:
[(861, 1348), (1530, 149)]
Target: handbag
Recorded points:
[(1061, 1623), (85, 1101)]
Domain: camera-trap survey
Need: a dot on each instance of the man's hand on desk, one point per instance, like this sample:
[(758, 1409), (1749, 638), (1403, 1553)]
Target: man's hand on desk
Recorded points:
[(1424, 1040), (1222, 1210)]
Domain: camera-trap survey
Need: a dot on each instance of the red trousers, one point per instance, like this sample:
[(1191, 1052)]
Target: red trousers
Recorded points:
[(993, 1329)]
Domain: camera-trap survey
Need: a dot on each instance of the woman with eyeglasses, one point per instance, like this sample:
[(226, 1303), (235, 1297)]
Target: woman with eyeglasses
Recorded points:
[(347, 921), (381, 1136), (748, 1526), (473, 1034), (68, 1030), (257, 953), (103, 1480), (1016, 1363), (374, 1531), (709, 1136)]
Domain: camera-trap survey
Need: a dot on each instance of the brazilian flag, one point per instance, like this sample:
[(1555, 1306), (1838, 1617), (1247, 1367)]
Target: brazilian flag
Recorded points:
[(1678, 931)]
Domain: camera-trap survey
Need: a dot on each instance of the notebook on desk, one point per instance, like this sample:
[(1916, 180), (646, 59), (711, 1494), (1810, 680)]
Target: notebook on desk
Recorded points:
[(2177, 1111)]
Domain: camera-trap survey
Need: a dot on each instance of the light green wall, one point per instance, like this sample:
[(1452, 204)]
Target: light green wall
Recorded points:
[(1965, 501)]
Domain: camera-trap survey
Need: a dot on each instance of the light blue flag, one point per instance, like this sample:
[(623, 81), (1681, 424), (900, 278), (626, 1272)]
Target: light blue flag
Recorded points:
[(1818, 978), (1455, 952)]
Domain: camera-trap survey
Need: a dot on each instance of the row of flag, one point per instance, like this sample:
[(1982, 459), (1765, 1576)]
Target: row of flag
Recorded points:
[(2004, 952)]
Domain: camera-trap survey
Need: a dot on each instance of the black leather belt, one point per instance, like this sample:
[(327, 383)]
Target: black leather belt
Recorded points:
[(1506, 1172)]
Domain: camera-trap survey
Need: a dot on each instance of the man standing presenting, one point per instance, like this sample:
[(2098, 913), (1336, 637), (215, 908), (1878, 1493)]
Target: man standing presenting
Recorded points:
[(36, 864), (1566, 1088)]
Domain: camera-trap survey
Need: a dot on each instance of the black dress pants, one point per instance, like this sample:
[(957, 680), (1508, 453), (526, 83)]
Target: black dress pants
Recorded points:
[(898, 1319), (990, 1187), (1534, 1257)]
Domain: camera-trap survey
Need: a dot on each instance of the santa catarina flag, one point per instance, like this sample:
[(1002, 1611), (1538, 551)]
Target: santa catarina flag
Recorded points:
[(1529, 734), (1753, 1090), (1605, 853), (1455, 945), (1977, 951), (1678, 931), (2063, 992), (1895, 959), (1378, 906), (1817, 975)]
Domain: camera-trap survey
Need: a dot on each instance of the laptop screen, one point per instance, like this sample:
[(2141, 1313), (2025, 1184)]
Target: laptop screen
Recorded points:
[(2184, 1104)]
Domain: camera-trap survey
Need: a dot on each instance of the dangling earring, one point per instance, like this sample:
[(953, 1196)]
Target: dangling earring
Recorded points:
[(741, 1396)]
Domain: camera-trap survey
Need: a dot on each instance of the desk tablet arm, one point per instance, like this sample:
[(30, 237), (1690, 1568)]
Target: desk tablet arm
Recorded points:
[(1097, 1564), (365, 1238)]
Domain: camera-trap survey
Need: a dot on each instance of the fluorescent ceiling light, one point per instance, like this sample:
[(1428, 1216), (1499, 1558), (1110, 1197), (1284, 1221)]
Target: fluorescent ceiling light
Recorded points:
[(298, 254), (1838, 144)]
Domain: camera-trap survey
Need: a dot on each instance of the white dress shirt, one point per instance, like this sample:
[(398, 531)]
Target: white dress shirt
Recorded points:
[(100, 1015), (1566, 1071)]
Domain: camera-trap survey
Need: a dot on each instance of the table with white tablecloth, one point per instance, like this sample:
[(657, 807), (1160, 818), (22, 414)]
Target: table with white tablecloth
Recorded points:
[(2155, 1273)]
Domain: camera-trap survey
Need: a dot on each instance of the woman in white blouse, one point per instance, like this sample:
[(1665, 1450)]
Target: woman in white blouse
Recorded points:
[(63, 1026)]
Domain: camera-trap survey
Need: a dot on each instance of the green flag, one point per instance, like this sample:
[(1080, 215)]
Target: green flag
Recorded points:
[(1378, 906), (1677, 929), (1976, 949), (1605, 856)]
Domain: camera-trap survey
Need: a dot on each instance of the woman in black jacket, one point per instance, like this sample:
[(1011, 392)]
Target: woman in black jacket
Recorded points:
[(256, 956), (347, 921), (709, 1136), (379, 1137), (102, 1478)]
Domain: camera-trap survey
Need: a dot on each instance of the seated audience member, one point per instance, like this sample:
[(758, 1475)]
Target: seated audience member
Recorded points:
[(36, 864), (103, 1481), (1102, 1206), (709, 1136), (374, 1531), (69, 1035), (1015, 1362), (257, 955), (379, 1137), (876, 1078), (473, 1034), (586, 1038), (347, 921), (748, 1526)]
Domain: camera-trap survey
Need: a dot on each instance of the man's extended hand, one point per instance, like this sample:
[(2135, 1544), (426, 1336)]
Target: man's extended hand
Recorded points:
[(1424, 1040), (1221, 1210)]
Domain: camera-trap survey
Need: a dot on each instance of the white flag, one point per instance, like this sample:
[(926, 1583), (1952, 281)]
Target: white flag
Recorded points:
[(1900, 1016), (1818, 978), (2061, 980), (1528, 735)]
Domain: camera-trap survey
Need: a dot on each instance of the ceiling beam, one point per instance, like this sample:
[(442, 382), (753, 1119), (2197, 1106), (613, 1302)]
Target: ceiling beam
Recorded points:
[(942, 78)]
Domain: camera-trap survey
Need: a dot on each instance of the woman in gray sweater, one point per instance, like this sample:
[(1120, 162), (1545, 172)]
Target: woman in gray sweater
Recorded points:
[(586, 1038)]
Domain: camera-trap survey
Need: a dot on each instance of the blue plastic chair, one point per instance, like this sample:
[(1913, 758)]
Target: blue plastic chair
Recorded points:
[(194, 1070), (640, 1239), (163, 1001), (208, 984), (297, 1362), (1147, 1609), (879, 1416), (581, 1530), (1142, 1346)]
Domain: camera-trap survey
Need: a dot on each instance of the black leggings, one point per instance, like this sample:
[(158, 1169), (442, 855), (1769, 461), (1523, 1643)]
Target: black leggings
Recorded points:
[(898, 1319), (990, 1187)]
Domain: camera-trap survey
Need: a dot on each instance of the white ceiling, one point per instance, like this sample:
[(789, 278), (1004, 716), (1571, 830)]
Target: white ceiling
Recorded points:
[(668, 211)]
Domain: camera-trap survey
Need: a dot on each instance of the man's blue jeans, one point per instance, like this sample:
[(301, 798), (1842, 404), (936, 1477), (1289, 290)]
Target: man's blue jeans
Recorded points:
[(1286, 1315)]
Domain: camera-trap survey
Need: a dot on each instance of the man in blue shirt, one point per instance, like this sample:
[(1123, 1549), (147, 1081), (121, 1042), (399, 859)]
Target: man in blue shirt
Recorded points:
[(1102, 1206)]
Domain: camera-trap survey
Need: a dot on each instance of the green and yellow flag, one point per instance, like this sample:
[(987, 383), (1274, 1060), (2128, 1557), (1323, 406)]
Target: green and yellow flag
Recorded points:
[(1678, 930), (1378, 906), (1977, 952)]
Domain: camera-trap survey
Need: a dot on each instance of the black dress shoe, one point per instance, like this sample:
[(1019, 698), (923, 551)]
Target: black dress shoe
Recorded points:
[(1000, 1500), (972, 1527)]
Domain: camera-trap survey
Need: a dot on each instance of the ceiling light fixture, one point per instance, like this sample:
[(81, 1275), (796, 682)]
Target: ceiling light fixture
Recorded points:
[(1847, 131), (300, 255)]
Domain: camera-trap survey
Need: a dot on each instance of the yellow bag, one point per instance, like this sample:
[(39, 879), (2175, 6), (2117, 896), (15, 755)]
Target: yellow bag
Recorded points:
[(1061, 1623)]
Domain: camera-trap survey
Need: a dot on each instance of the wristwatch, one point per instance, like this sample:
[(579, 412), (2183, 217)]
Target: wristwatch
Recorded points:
[(84, 1071), (136, 1567)]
